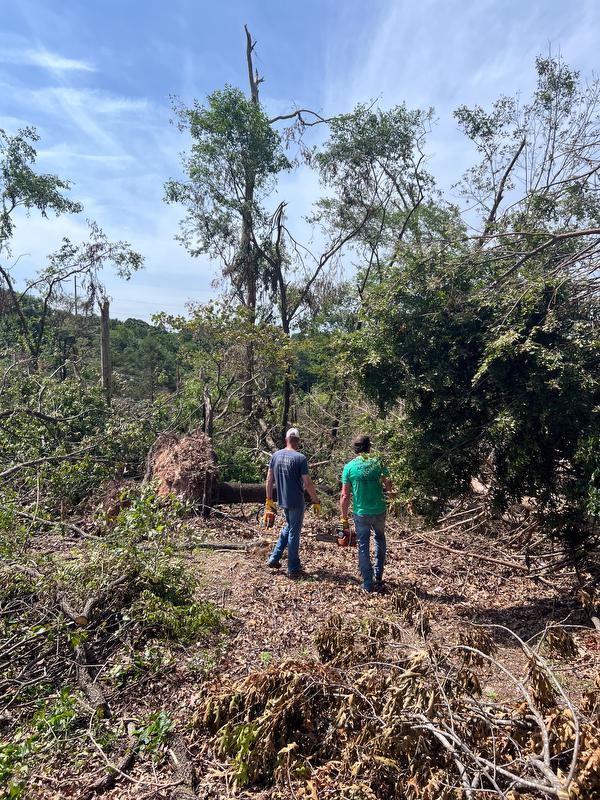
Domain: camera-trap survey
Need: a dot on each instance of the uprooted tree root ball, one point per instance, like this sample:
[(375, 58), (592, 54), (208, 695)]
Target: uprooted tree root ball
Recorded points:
[(382, 719)]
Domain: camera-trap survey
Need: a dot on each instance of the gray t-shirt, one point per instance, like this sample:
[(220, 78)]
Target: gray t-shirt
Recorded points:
[(288, 467)]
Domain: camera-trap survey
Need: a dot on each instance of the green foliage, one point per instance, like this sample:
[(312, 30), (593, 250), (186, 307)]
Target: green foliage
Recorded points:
[(158, 616), (233, 146), (13, 765), (57, 717), (21, 186), (494, 355), (52, 722), (373, 162), (145, 516), (154, 735), (137, 663), (71, 483), (504, 389), (144, 358), (237, 461), (420, 341), (587, 466)]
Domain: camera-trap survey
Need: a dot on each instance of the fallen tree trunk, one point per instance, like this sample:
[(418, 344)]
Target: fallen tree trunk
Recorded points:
[(230, 493), (186, 466)]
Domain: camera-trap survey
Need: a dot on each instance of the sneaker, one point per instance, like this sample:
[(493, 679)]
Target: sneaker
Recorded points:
[(379, 586), (273, 564), (294, 576)]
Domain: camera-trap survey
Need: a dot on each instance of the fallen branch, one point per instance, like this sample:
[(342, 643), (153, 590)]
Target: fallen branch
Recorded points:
[(218, 546), (92, 691), (106, 782), (80, 619), (467, 554), (50, 523), (45, 460), (37, 414)]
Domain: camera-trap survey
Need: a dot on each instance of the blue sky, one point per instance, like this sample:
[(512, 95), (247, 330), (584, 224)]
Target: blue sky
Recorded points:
[(95, 78)]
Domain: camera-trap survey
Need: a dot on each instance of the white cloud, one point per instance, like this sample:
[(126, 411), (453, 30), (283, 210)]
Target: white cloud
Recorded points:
[(444, 53), (44, 59), (62, 154), (91, 112)]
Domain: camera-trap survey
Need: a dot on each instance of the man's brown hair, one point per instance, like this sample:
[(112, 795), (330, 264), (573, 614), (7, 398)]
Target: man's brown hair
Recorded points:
[(362, 444)]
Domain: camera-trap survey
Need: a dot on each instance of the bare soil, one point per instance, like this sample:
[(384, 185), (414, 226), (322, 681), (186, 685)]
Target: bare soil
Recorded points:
[(271, 618)]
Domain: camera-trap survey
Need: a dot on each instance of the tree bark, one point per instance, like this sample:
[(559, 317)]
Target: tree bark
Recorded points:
[(285, 411), (247, 251), (208, 414), (105, 361), (231, 493)]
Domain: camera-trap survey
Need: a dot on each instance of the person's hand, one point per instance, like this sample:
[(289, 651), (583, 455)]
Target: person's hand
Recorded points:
[(317, 508), (270, 512), (343, 537)]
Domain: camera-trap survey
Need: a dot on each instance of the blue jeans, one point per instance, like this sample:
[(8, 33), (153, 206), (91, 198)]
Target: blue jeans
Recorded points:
[(290, 538), (364, 524)]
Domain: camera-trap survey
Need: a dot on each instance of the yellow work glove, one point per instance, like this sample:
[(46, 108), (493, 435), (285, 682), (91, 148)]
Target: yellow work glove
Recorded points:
[(317, 509), (343, 537), (270, 512)]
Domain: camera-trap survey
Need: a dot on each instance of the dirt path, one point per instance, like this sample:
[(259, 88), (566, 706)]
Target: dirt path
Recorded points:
[(273, 617)]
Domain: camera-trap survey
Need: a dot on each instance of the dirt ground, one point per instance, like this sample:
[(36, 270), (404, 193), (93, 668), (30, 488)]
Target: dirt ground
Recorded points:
[(275, 617), (270, 618)]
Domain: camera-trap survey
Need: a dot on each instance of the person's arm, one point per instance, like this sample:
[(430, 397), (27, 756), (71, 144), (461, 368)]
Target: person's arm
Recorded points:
[(310, 488), (345, 496), (386, 481), (269, 484)]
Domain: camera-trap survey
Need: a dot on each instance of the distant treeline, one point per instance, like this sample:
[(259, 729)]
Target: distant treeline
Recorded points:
[(144, 356)]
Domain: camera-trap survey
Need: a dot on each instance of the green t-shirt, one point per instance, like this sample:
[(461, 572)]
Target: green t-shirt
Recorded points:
[(365, 474)]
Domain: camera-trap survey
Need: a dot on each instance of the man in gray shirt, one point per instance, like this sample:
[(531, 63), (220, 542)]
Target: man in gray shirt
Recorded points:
[(288, 471)]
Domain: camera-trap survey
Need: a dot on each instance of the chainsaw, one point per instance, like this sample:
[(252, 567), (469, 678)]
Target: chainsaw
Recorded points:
[(344, 535)]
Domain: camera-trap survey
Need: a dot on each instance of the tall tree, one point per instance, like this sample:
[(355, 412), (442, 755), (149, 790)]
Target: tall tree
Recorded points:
[(231, 170), (231, 173), (85, 261), (374, 167), (21, 187)]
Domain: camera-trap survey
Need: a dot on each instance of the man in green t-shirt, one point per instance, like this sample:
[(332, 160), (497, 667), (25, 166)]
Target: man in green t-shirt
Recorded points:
[(364, 479)]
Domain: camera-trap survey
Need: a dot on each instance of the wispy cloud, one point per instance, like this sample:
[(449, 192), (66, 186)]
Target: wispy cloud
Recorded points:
[(44, 59), (92, 100), (94, 113)]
